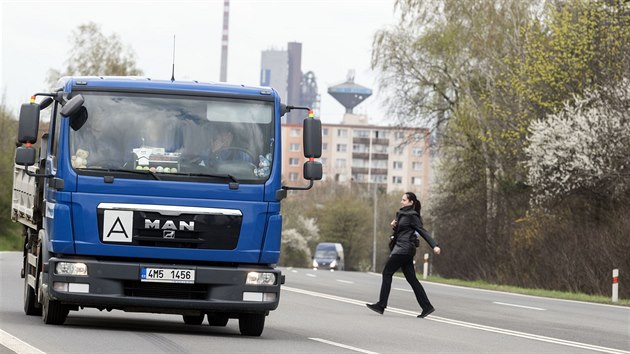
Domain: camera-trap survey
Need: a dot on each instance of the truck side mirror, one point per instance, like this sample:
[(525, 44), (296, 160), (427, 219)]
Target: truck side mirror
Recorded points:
[(78, 118), (25, 156), (312, 170), (72, 106), (74, 110), (45, 103), (29, 123), (312, 137)]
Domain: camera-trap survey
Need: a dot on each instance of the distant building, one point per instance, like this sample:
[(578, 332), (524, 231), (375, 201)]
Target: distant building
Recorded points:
[(395, 159), (282, 70), (274, 71)]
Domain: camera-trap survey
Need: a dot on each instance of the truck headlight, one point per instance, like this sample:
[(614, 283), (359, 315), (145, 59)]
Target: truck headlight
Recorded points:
[(257, 278), (333, 264), (71, 268)]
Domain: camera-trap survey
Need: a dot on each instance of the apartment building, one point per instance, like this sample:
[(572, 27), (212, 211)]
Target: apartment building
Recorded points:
[(396, 159)]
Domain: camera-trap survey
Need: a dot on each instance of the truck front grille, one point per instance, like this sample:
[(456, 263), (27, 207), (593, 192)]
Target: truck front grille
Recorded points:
[(202, 231)]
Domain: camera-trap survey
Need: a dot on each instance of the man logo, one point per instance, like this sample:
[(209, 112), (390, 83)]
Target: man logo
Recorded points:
[(168, 234), (169, 225)]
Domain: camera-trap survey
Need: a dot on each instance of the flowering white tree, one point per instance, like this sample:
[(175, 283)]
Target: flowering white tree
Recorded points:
[(584, 146), (297, 242)]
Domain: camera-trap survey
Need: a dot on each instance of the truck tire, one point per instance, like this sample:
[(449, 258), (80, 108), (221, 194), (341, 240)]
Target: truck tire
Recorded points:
[(217, 320), (31, 306), (30, 300), (53, 312), (193, 319), (251, 324)]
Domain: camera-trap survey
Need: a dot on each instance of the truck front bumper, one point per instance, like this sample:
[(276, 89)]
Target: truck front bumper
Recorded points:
[(118, 285)]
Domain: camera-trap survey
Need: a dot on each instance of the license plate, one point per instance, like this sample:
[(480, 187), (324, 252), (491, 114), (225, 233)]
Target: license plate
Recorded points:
[(167, 275)]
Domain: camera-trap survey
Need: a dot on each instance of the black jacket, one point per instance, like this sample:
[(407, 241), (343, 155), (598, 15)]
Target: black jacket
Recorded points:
[(408, 223)]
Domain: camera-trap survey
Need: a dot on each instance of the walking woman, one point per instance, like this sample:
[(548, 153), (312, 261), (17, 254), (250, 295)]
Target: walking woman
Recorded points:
[(408, 222)]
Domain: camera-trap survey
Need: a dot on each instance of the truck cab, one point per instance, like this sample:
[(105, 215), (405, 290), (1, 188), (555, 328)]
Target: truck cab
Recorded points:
[(155, 196)]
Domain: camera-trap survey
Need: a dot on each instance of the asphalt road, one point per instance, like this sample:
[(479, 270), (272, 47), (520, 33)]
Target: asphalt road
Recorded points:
[(324, 312)]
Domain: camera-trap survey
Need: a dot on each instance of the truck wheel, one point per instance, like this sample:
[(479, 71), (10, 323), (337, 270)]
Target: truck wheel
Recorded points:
[(251, 324), (30, 300), (193, 319), (53, 312), (31, 306), (217, 320)]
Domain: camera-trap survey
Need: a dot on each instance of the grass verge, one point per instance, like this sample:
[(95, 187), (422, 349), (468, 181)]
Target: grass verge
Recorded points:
[(479, 284), (11, 238)]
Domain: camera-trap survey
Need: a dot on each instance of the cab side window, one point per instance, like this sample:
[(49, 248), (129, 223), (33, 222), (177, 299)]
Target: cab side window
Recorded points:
[(55, 129)]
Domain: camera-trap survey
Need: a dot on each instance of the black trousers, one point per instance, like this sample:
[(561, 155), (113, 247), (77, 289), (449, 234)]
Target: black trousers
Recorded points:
[(404, 262)]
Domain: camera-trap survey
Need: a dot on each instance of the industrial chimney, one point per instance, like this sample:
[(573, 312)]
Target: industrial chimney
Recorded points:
[(224, 40)]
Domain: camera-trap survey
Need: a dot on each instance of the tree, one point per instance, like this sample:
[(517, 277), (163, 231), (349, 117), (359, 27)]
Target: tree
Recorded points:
[(479, 75), (584, 146), (93, 53), (8, 133), (445, 66), (297, 242), (348, 220), (578, 45)]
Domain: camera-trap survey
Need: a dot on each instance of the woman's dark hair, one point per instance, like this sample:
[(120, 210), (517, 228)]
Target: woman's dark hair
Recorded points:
[(416, 203)]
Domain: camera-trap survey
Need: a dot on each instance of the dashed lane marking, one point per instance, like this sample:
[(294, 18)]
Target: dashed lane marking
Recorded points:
[(521, 306), (340, 345)]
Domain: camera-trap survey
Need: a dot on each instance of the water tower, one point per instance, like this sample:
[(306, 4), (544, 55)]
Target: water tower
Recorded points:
[(349, 94)]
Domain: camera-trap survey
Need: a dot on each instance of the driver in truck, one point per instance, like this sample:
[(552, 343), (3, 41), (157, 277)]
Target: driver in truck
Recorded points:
[(222, 149)]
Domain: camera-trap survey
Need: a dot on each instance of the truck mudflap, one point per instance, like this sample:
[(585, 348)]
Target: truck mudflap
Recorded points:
[(163, 288)]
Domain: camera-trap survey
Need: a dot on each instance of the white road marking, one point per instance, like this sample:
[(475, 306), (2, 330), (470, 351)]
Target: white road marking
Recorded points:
[(345, 281), (343, 346), (311, 275), (494, 302), (521, 306), (621, 308), (16, 345), (467, 324)]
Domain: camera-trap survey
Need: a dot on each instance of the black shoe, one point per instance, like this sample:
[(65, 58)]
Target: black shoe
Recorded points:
[(376, 308), (426, 313)]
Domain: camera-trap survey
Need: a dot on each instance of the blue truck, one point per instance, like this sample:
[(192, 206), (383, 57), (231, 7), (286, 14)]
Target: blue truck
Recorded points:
[(136, 199)]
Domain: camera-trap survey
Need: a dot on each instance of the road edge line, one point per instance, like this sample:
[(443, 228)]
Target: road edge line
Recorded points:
[(17, 345)]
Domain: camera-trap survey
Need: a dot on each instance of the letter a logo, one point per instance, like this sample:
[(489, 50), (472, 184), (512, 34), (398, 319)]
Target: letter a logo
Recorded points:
[(117, 226)]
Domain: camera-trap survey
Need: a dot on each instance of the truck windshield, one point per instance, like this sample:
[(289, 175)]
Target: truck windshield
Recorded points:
[(175, 137)]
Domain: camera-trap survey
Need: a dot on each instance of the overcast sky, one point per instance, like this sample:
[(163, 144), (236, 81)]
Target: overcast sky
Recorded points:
[(336, 36)]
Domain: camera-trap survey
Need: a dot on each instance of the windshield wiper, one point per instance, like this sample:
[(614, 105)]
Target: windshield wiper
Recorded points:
[(226, 176), (138, 172), (148, 172)]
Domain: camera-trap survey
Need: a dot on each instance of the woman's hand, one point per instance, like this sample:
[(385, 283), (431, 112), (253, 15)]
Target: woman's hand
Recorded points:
[(393, 223), (436, 250)]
